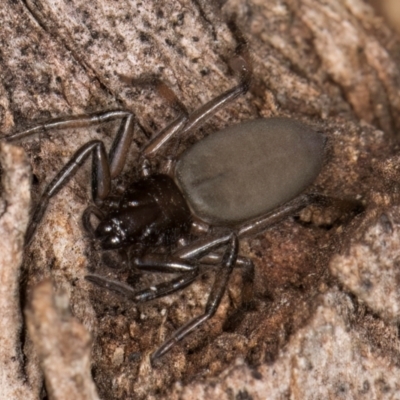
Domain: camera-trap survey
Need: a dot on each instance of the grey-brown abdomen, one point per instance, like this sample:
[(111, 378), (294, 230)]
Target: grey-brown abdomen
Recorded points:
[(249, 169)]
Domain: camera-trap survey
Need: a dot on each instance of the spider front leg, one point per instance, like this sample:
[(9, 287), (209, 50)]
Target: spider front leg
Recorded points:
[(240, 63), (77, 121), (104, 168)]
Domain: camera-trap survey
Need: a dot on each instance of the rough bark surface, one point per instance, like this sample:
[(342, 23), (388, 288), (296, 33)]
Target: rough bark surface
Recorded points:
[(325, 297), (15, 203), (62, 343)]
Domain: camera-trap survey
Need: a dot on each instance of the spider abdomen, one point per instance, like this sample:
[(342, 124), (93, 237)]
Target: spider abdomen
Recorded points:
[(249, 169)]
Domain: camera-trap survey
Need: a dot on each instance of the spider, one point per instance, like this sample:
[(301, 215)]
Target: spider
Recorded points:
[(237, 182)]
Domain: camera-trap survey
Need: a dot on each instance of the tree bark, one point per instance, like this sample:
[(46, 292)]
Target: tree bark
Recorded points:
[(331, 64)]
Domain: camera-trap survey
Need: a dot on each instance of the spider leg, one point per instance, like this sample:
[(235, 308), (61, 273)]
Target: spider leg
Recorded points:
[(77, 121), (215, 258), (214, 300), (202, 246), (240, 63), (101, 180), (146, 294), (202, 250), (103, 170), (172, 99), (163, 264), (183, 262), (184, 123), (247, 270), (152, 263), (86, 219), (161, 88), (292, 207)]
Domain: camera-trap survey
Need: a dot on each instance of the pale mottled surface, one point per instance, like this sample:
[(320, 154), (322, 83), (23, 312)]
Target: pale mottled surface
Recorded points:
[(389, 10), (14, 205), (325, 360), (369, 266), (62, 343)]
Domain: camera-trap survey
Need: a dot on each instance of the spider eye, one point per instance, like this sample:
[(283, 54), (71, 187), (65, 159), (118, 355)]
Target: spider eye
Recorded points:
[(108, 228), (109, 234), (111, 242), (104, 229)]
